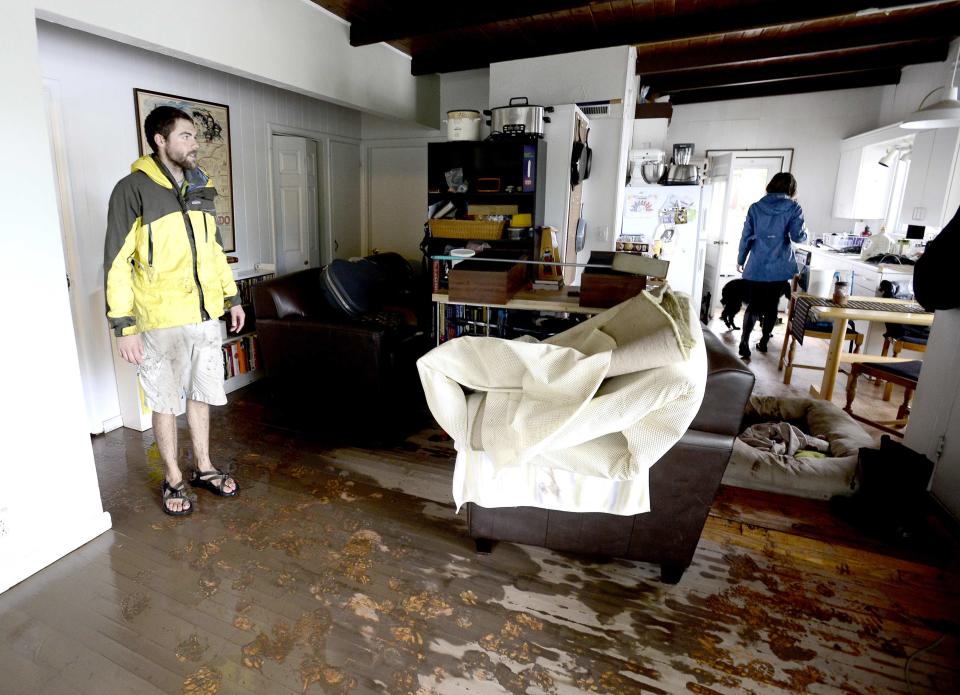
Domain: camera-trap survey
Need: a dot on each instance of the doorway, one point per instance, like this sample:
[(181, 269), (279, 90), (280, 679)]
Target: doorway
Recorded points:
[(296, 197), (96, 422), (745, 183)]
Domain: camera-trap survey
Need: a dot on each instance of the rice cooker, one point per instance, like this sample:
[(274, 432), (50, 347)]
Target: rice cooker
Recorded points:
[(463, 124)]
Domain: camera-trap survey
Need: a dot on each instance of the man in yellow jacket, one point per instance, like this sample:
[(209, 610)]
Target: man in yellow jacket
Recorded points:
[(167, 284)]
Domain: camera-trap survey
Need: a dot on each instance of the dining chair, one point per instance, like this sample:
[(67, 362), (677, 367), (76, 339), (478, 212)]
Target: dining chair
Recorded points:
[(811, 329), (905, 374), (897, 336)]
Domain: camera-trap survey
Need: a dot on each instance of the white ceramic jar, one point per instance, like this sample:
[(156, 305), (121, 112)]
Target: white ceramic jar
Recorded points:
[(463, 124)]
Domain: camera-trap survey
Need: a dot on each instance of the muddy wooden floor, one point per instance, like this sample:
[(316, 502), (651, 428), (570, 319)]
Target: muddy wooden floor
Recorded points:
[(346, 570)]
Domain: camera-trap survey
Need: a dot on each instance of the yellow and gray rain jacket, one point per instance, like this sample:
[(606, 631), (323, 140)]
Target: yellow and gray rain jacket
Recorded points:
[(163, 257)]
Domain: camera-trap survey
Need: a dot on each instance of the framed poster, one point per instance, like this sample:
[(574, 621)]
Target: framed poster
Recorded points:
[(213, 135)]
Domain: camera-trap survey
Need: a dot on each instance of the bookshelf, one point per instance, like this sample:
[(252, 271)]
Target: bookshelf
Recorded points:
[(241, 353)]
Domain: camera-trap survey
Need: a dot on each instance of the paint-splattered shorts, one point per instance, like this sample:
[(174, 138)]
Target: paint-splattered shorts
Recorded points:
[(180, 363)]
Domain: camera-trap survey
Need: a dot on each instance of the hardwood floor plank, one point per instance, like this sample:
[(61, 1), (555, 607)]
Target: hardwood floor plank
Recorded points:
[(342, 569)]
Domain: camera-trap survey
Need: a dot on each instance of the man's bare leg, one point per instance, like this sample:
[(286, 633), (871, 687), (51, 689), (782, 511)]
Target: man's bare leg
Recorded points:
[(198, 417), (165, 432)]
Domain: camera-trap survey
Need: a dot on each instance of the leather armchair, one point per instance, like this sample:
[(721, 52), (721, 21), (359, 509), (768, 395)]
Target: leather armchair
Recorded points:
[(351, 376), (683, 484)]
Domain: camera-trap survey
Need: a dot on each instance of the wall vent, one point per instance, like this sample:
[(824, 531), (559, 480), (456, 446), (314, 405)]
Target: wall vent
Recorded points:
[(602, 109)]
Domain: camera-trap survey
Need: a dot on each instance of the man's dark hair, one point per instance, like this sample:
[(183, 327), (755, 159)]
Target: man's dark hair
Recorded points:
[(783, 183), (161, 120)]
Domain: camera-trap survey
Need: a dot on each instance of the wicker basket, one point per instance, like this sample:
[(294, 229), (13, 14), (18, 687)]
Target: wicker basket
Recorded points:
[(466, 229)]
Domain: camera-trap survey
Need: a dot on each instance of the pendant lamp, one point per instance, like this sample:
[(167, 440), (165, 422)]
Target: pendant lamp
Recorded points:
[(941, 114)]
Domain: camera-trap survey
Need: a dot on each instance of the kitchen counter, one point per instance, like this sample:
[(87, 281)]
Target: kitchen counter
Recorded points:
[(865, 279), (851, 261)]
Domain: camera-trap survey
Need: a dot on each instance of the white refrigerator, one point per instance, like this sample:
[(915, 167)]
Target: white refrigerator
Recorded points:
[(670, 220)]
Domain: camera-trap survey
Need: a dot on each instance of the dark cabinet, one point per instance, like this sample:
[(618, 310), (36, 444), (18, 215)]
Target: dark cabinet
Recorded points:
[(496, 172)]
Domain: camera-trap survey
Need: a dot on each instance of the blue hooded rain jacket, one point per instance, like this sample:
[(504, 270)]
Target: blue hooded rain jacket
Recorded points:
[(772, 223)]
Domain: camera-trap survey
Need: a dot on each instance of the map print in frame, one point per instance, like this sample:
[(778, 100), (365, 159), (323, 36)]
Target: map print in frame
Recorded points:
[(213, 135)]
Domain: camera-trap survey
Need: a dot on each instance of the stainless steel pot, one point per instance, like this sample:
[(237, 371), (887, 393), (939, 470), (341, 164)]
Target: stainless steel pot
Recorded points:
[(518, 118)]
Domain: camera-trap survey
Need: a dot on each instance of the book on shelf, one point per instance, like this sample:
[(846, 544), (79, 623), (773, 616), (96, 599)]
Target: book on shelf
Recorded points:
[(548, 284)]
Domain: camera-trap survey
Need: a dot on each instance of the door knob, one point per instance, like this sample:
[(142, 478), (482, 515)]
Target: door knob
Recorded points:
[(306, 262)]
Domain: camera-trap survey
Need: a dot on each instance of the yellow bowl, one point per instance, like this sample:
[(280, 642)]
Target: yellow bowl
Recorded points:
[(523, 219)]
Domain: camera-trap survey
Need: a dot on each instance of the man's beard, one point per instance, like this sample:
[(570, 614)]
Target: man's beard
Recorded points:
[(185, 161)]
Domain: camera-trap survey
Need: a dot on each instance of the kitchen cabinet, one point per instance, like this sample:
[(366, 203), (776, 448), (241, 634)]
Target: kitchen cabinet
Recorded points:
[(863, 185), (932, 193)]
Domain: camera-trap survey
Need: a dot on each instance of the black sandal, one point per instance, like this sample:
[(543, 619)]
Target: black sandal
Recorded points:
[(175, 492), (214, 481)]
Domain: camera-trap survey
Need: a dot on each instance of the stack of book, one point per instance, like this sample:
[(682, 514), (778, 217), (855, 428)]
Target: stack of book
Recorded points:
[(241, 356)]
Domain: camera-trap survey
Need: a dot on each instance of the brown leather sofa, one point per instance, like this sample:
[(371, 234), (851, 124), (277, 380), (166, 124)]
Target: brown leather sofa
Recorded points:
[(355, 378), (683, 484)]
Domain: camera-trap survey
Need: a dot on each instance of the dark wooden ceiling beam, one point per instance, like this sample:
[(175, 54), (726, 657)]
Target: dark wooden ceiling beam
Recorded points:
[(404, 20), (651, 21), (446, 54), (936, 24), (868, 58), (820, 83)]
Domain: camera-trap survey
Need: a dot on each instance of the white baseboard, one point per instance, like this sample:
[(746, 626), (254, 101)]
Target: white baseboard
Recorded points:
[(30, 555), (112, 424)]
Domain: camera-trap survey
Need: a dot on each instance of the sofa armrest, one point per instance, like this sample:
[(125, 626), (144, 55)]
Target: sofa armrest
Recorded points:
[(729, 384), (294, 295)]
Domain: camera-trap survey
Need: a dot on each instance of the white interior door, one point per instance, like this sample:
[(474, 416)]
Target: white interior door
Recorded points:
[(296, 196), (398, 199), (101, 416), (714, 199), (345, 182), (750, 172)]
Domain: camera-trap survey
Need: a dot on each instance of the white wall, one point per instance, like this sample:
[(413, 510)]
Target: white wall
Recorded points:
[(812, 124), (93, 79), (567, 78), (43, 429), (293, 44)]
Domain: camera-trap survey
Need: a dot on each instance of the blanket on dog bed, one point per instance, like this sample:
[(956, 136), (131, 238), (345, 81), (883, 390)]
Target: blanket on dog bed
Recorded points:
[(786, 466)]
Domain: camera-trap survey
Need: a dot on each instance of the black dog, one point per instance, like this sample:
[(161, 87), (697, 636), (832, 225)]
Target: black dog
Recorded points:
[(734, 295)]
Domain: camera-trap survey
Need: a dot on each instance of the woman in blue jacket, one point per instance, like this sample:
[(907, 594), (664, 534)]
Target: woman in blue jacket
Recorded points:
[(766, 256)]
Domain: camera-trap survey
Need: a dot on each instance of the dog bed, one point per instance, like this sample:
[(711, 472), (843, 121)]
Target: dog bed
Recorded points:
[(802, 475)]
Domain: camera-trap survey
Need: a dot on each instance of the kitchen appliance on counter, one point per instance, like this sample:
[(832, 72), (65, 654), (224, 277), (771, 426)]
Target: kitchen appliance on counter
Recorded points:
[(681, 171), (520, 119), (646, 165), (463, 124)]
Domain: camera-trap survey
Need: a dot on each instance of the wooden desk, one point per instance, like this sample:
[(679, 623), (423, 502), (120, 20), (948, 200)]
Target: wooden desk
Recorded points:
[(839, 317)]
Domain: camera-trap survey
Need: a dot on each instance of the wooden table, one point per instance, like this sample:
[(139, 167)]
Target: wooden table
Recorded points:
[(530, 300), (839, 317)]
